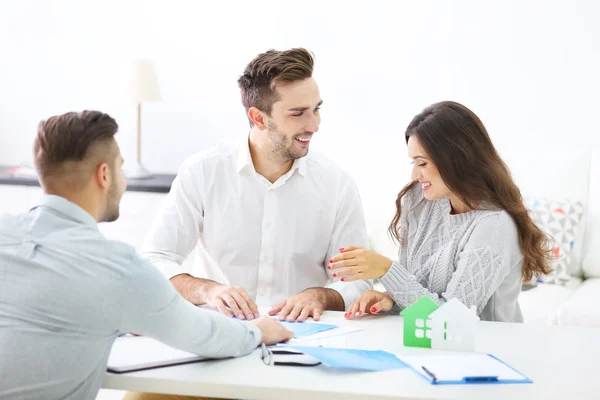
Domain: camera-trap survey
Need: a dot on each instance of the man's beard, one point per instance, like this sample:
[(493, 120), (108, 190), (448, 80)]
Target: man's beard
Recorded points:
[(111, 213), (282, 149)]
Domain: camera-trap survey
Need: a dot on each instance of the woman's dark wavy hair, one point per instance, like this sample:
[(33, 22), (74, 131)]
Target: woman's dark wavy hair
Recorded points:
[(458, 144)]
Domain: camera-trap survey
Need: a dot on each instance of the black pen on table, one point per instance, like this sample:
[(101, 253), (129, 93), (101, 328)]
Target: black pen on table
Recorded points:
[(428, 372)]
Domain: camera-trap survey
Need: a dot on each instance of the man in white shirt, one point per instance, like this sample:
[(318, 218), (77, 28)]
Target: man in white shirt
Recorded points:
[(264, 215)]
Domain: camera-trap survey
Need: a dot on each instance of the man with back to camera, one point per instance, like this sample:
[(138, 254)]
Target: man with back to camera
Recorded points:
[(66, 292), (264, 215)]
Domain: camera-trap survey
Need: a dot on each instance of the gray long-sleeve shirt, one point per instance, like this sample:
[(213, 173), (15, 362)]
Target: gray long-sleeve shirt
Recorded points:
[(66, 293), (474, 257)]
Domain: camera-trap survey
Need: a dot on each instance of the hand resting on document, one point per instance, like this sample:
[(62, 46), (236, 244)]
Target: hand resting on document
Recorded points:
[(272, 331)]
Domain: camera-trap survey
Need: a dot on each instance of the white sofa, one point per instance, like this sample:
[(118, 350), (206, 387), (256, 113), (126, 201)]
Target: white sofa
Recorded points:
[(581, 308), (560, 175)]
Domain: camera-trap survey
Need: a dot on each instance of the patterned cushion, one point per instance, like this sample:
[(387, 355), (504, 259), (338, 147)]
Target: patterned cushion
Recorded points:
[(560, 222)]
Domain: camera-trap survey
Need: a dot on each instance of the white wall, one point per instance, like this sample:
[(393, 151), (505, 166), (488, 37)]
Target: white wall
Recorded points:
[(529, 69)]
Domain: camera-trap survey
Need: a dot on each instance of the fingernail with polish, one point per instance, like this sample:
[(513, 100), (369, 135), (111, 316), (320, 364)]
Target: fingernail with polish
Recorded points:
[(373, 310), (342, 249), (335, 274), (360, 313), (342, 279), (329, 266)]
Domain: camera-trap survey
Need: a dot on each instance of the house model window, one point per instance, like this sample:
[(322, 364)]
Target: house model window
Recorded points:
[(423, 328)]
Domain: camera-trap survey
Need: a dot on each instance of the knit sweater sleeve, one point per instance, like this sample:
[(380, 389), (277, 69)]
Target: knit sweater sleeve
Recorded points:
[(490, 251)]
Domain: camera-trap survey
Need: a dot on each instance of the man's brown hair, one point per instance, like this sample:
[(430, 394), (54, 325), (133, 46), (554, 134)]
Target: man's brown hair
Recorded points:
[(267, 70), (70, 146)]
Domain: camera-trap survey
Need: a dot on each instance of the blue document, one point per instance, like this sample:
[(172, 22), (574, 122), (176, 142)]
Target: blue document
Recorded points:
[(306, 328), (367, 360), (301, 329)]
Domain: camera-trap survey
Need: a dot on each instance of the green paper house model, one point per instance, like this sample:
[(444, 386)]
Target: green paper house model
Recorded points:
[(417, 325)]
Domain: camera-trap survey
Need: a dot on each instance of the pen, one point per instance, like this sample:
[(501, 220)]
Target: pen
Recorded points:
[(480, 379), (431, 375)]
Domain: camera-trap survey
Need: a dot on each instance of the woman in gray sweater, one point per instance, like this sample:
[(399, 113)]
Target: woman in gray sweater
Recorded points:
[(461, 225)]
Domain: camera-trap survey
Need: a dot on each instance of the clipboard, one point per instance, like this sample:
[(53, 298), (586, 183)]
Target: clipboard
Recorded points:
[(136, 353), (464, 369)]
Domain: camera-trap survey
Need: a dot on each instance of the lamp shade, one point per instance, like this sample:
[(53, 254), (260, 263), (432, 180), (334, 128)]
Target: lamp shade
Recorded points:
[(145, 84)]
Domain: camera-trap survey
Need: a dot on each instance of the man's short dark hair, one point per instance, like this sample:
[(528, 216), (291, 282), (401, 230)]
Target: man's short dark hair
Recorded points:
[(65, 142)]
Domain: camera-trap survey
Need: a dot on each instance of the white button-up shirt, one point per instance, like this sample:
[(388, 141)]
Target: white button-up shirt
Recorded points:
[(273, 239)]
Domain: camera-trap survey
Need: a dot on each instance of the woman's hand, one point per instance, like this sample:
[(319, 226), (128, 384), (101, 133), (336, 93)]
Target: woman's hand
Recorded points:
[(370, 302), (357, 263)]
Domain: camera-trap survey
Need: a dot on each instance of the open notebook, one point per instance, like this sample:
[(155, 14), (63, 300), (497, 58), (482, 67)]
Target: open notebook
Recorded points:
[(134, 353)]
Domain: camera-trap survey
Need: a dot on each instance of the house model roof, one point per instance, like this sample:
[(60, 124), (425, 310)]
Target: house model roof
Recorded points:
[(454, 307), (422, 307)]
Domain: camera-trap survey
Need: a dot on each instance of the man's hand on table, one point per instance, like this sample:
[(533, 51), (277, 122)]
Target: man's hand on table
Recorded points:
[(272, 331), (309, 303), (232, 300), (228, 300)]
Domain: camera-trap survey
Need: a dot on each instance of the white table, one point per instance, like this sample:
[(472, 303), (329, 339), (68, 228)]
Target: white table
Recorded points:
[(562, 362)]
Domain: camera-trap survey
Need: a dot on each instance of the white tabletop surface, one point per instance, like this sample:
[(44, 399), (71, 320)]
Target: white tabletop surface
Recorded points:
[(563, 363)]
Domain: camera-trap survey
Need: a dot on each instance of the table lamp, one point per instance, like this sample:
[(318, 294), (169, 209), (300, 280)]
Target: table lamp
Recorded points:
[(145, 90)]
